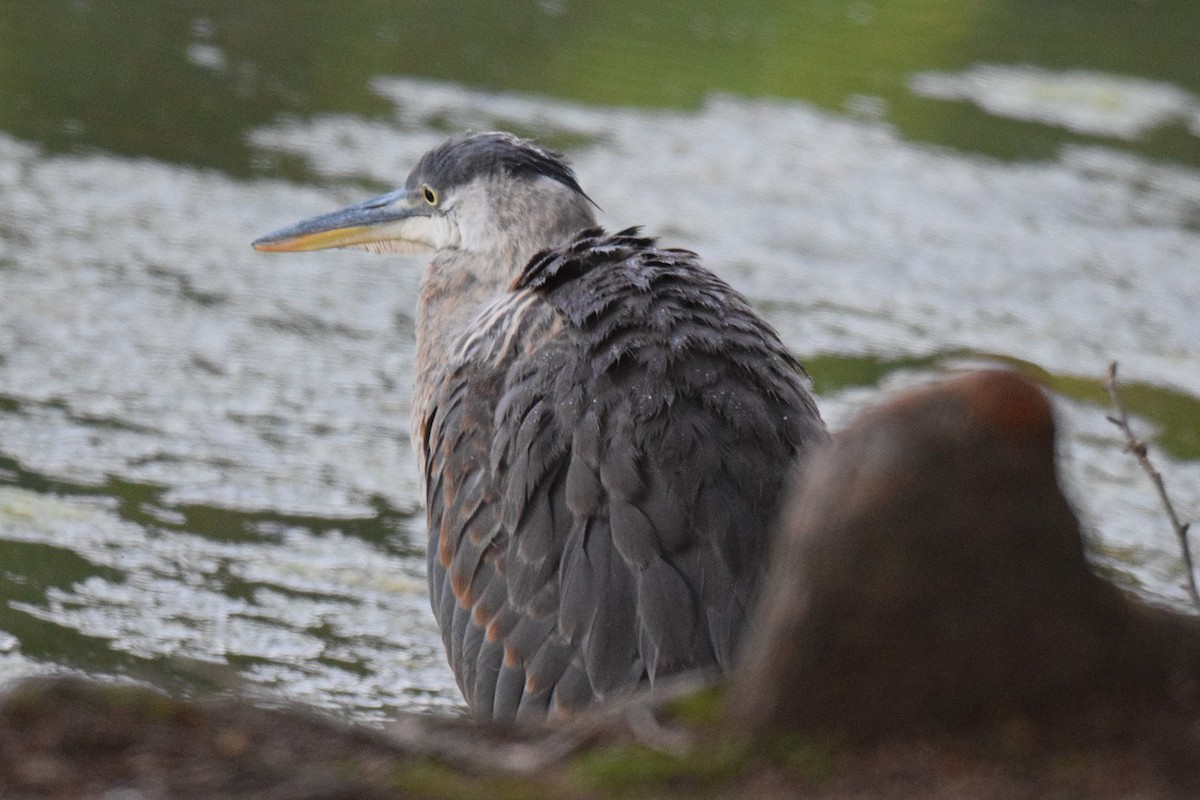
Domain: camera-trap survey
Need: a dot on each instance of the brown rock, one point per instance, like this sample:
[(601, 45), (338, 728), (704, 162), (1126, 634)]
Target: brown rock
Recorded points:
[(930, 572)]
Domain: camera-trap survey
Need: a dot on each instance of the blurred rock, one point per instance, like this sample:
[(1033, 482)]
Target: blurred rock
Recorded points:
[(930, 572)]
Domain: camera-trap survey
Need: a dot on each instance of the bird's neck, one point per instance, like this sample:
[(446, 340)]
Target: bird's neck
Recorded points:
[(459, 282), (455, 287)]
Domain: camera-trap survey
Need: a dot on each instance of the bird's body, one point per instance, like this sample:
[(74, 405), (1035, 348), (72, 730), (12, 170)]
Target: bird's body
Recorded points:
[(604, 456), (603, 426)]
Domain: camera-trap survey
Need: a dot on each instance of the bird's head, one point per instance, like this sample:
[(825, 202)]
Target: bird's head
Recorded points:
[(486, 193)]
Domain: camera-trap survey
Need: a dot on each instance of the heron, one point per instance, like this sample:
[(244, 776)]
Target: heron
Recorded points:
[(603, 426)]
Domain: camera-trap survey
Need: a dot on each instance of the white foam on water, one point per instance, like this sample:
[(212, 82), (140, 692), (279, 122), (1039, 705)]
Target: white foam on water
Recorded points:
[(1083, 101)]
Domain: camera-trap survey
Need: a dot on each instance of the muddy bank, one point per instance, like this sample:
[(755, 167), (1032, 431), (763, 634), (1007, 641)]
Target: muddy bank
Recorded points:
[(67, 738)]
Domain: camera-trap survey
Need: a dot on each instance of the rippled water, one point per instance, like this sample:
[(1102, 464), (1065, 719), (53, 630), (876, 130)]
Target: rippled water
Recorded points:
[(204, 453)]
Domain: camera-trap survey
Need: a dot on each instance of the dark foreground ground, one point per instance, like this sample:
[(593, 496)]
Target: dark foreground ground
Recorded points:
[(67, 739)]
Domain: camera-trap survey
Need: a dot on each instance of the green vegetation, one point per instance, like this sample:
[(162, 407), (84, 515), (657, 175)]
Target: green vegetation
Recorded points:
[(1175, 415), (185, 81)]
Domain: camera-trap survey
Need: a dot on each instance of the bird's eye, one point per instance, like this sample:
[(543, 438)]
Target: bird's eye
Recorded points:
[(429, 194)]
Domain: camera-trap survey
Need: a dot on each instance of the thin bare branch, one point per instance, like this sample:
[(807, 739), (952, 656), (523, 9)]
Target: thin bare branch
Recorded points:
[(1139, 449)]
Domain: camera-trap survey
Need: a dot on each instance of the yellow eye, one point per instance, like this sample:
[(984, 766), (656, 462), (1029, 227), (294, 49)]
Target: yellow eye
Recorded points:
[(429, 194)]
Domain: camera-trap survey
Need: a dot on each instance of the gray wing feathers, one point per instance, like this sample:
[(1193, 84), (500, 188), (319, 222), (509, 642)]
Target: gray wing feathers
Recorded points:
[(600, 492)]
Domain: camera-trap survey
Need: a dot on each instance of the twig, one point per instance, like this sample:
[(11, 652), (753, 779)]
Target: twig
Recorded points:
[(1138, 448)]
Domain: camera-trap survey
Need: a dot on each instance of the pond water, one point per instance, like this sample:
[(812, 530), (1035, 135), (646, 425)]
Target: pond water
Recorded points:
[(206, 479)]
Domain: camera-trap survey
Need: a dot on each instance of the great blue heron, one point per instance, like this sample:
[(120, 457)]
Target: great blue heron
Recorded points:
[(603, 427)]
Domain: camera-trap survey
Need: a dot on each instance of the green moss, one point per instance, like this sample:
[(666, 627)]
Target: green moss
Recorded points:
[(426, 778), (705, 707), (708, 767), (627, 767)]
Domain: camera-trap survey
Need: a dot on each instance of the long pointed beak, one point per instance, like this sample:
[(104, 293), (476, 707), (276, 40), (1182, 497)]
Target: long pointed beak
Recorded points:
[(376, 220)]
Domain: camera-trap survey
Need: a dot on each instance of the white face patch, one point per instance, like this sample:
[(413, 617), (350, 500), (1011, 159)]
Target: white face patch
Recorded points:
[(475, 218)]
